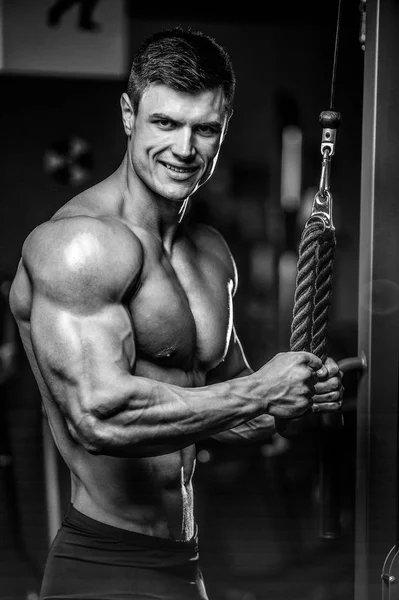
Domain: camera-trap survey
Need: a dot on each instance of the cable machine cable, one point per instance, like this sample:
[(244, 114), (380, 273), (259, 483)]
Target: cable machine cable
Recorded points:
[(312, 303)]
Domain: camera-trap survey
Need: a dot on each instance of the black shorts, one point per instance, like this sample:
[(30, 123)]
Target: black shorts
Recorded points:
[(89, 560)]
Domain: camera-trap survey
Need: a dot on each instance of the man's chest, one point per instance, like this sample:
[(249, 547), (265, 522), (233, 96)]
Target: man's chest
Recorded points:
[(182, 314)]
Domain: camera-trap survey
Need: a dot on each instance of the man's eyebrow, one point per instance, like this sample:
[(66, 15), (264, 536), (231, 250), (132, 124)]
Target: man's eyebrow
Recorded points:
[(163, 116), (214, 124)]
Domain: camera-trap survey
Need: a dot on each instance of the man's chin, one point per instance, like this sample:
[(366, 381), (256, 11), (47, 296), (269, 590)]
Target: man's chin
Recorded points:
[(178, 196)]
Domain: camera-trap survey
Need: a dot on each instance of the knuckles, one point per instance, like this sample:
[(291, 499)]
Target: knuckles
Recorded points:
[(332, 367), (335, 383)]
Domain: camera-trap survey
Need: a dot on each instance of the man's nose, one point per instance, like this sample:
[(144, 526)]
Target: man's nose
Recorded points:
[(183, 145)]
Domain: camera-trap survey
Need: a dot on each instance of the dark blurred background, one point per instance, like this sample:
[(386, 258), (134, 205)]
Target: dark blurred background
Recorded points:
[(258, 507)]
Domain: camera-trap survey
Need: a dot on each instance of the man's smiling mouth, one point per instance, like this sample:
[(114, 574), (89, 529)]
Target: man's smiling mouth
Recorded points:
[(180, 169)]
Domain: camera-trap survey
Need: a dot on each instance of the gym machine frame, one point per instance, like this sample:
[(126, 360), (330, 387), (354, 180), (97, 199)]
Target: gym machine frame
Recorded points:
[(376, 537)]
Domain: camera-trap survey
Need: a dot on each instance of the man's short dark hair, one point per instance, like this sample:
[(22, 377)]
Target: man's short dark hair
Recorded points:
[(183, 59)]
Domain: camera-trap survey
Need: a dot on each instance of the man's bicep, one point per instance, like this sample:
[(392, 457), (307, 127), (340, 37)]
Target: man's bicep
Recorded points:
[(79, 353), (234, 364)]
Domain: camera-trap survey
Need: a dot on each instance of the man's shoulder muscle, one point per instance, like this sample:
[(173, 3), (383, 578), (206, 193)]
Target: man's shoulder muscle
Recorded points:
[(210, 241), (82, 257)]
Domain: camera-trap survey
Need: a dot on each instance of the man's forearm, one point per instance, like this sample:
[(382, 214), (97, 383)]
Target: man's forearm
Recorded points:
[(252, 431), (145, 417), (255, 430)]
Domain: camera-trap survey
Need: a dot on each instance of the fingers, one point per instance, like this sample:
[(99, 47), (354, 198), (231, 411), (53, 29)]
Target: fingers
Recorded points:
[(312, 360), (327, 407), (328, 370), (331, 401), (329, 396), (329, 390), (330, 385)]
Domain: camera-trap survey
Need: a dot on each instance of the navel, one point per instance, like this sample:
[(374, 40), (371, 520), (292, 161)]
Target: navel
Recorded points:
[(166, 353)]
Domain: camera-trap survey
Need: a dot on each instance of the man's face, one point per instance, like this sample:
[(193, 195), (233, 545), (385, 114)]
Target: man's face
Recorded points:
[(176, 138)]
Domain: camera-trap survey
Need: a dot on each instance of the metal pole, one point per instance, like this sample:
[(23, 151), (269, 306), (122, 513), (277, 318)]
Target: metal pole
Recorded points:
[(378, 338)]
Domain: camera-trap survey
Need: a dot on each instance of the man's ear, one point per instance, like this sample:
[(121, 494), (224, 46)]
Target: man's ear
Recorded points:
[(127, 114), (227, 125)]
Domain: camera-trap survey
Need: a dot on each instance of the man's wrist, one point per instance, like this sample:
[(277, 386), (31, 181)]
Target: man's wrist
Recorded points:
[(247, 389)]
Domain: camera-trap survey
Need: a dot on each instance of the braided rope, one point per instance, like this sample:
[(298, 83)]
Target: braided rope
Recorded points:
[(304, 292), (323, 293), (313, 290), (312, 297)]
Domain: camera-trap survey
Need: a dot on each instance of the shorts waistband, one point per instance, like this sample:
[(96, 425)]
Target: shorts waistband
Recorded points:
[(77, 520)]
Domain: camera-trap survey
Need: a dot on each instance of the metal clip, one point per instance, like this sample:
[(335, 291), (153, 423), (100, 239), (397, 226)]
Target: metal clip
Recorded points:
[(324, 185), (322, 210), (329, 120), (328, 140), (322, 203)]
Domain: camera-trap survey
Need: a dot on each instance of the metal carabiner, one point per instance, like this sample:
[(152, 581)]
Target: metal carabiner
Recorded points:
[(322, 210), (324, 185), (322, 203)]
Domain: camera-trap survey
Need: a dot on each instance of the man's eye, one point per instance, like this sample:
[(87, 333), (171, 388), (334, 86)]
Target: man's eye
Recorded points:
[(206, 130), (164, 123)]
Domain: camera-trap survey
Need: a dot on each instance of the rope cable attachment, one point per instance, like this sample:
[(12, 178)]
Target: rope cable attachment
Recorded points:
[(312, 301), (316, 253)]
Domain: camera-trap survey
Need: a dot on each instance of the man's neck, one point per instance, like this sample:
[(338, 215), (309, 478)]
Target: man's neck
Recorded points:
[(142, 208)]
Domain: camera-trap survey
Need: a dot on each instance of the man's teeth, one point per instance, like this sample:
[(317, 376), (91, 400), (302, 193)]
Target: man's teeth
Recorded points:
[(180, 169)]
